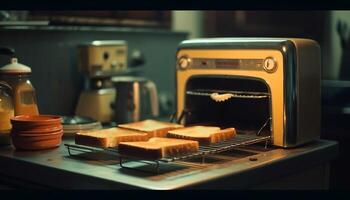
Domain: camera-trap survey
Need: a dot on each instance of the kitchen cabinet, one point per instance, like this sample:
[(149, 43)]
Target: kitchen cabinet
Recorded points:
[(129, 18), (308, 24), (335, 126)]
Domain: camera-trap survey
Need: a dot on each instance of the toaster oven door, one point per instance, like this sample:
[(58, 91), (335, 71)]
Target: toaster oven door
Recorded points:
[(228, 101)]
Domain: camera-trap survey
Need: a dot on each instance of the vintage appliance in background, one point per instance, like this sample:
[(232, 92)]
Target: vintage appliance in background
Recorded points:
[(137, 99), (99, 61), (108, 72), (262, 86)]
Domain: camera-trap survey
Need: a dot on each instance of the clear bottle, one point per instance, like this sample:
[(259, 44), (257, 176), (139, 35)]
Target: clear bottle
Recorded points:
[(23, 92), (6, 112)]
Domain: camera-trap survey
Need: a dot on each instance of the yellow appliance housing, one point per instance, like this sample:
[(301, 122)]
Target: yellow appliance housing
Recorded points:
[(289, 67), (104, 57)]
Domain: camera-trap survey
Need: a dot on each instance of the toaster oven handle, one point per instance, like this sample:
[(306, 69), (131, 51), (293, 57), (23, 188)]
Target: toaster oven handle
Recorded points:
[(152, 89)]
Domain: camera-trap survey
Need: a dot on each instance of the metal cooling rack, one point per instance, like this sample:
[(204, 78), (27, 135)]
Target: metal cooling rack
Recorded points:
[(238, 141)]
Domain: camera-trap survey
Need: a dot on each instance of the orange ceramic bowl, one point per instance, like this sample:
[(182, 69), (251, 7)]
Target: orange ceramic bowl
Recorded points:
[(36, 127), (36, 142), (36, 130), (42, 136), (31, 120), (37, 123), (37, 145)]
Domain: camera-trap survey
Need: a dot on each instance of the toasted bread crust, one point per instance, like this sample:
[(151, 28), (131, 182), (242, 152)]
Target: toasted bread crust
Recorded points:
[(156, 148), (90, 141), (153, 128), (106, 138), (202, 135)]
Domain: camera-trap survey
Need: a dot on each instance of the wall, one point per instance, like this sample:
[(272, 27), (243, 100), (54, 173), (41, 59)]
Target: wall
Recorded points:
[(188, 21), (51, 53), (332, 50)]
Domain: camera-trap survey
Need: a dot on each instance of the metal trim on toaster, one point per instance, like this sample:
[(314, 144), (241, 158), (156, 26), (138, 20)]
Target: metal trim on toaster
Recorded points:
[(290, 100)]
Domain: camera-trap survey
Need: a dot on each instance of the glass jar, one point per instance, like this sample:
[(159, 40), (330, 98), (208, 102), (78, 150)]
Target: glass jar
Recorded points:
[(24, 96), (6, 108), (23, 92)]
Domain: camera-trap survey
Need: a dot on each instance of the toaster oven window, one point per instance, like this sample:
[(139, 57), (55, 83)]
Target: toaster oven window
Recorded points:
[(244, 103)]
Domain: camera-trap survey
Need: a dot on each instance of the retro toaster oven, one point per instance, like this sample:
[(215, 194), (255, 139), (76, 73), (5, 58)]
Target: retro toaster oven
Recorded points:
[(257, 85)]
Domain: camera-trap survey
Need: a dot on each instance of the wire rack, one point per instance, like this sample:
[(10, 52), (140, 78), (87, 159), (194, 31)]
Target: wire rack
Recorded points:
[(239, 141), (235, 94)]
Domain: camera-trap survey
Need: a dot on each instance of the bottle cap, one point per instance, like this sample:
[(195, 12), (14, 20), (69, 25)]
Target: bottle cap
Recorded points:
[(15, 68)]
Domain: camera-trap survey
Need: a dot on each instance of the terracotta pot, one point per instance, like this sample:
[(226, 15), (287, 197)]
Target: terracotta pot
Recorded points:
[(37, 137), (37, 145), (36, 142), (32, 120), (37, 130)]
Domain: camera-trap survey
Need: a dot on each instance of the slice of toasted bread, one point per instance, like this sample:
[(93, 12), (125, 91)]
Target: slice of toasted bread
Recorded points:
[(203, 134), (156, 148), (109, 137), (153, 128)]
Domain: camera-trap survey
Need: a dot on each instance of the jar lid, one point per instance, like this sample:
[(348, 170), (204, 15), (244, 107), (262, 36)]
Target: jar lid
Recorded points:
[(15, 68)]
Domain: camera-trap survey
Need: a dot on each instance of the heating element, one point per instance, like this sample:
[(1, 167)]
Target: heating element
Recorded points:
[(234, 94)]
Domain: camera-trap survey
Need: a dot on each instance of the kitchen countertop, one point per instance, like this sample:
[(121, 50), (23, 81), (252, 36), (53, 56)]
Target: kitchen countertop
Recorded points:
[(56, 169)]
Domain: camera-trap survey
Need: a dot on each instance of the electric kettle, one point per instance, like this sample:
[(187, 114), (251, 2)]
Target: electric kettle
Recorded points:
[(136, 99)]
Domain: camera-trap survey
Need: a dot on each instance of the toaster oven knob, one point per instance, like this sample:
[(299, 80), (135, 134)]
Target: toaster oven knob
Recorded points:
[(184, 62), (270, 65)]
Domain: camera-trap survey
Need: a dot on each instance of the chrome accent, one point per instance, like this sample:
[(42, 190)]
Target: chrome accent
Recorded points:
[(270, 65), (229, 64), (290, 94), (184, 62), (108, 42)]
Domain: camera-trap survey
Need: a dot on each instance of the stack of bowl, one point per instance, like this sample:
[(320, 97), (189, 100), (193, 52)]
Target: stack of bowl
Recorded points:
[(36, 132)]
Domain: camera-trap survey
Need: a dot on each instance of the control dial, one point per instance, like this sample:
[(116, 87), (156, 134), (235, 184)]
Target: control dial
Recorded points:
[(270, 65), (184, 62)]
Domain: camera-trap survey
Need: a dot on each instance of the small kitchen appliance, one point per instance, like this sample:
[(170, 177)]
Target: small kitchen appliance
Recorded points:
[(137, 99), (257, 85), (99, 61)]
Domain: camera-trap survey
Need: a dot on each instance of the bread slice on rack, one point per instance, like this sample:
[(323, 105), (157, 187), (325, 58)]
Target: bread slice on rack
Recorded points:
[(109, 137), (205, 135), (153, 128), (156, 148)]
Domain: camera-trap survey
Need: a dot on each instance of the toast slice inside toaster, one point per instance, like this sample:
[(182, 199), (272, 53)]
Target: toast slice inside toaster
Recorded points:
[(205, 135), (111, 137), (156, 148), (153, 128)]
